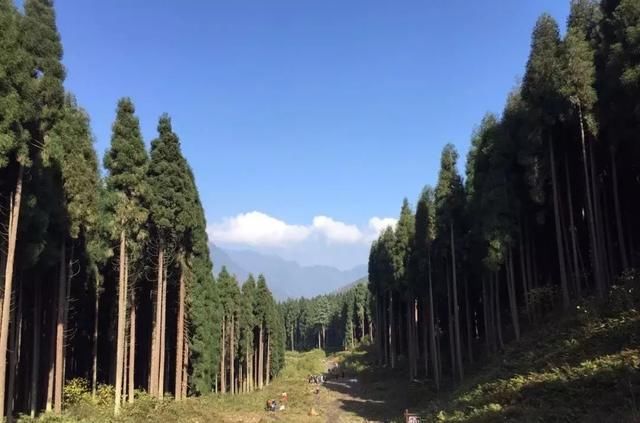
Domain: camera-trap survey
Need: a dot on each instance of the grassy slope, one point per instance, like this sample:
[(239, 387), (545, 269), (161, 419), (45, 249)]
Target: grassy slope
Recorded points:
[(214, 408), (583, 368)]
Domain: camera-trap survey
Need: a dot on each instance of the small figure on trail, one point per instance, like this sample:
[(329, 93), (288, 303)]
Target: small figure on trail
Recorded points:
[(284, 399)]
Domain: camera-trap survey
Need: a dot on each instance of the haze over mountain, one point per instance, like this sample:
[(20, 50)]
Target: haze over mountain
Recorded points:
[(286, 278)]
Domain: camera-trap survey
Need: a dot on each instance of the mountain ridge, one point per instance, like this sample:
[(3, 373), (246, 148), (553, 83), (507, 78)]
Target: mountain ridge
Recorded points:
[(286, 278)]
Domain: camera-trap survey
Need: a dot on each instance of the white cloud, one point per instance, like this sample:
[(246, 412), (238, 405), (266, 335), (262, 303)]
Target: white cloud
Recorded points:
[(256, 228), (335, 231), (259, 229), (379, 224)]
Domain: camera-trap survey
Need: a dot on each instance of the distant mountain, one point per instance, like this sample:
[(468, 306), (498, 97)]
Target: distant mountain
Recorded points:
[(286, 279), (347, 287)]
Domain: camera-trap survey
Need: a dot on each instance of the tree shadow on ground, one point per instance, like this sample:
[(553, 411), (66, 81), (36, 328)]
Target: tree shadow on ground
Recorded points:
[(376, 393)]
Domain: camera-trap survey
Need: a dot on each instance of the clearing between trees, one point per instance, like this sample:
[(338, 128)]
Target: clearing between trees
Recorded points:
[(583, 367)]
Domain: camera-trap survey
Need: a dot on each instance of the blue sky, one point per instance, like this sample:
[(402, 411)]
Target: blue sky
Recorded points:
[(302, 120)]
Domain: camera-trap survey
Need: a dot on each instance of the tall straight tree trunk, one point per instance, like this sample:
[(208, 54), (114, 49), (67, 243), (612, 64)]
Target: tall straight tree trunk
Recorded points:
[(94, 346), (523, 273), (456, 307), (163, 334), (556, 214), (511, 287), (14, 217), (247, 359), (605, 269), (498, 314), (59, 353), (486, 309), (425, 336), (384, 331), (451, 330), (409, 340), (132, 346), (185, 371), (268, 369), (435, 356), (35, 359), (260, 357), (16, 331), (392, 337), (223, 356), (180, 333), (590, 214), (573, 230), (122, 310), (232, 354), (155, 337), (52, 352), (468, 321), (291, 333), (616, 205)]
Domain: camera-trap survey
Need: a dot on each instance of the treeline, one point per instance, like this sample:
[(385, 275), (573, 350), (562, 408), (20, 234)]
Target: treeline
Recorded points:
[(546, 215), (334, 321), (252, 335), (108, 278)]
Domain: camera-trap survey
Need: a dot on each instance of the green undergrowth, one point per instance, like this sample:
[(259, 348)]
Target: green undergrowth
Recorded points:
[(583, 368), (80, 407)]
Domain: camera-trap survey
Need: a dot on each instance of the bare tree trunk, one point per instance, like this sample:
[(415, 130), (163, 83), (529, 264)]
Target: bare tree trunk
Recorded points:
[(590, 213), (556, 214), (14, 216), (155, 337), (435, 356), (486, 309), (52, 354), (523, 274), (425, 336), (468, 319), (456, 307), (451, 331), (94, 347), (409, 341), (512, 294), (392, 335), (232, 354), (16, 332), (223, 356), (260, 358), (122, 310), (185, 371), (268, 369), (616, 203), (59, 354), (180, 334), (573, 230), (35, 359), (498, 314), (163, 333), (132, 347)]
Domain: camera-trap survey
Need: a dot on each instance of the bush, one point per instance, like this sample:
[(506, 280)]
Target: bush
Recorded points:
[(74, 391), (625, 293)]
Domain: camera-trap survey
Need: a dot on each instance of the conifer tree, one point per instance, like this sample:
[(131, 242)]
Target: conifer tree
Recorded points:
[(127, 163)]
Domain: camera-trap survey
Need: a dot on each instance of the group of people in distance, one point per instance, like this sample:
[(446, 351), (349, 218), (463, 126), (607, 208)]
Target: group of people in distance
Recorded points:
[(273, 405)]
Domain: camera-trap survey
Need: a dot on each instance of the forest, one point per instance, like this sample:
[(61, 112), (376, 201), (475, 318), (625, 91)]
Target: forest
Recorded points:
[(108, 281), (545, 216), (333, 322), (106, 271)]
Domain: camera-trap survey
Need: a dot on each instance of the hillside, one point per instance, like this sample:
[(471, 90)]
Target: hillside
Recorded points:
[(287, 279), (580, 368)]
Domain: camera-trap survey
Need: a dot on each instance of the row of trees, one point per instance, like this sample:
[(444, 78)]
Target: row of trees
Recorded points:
[(104, 278), (333, 321), (252, 335), (546, 215)]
